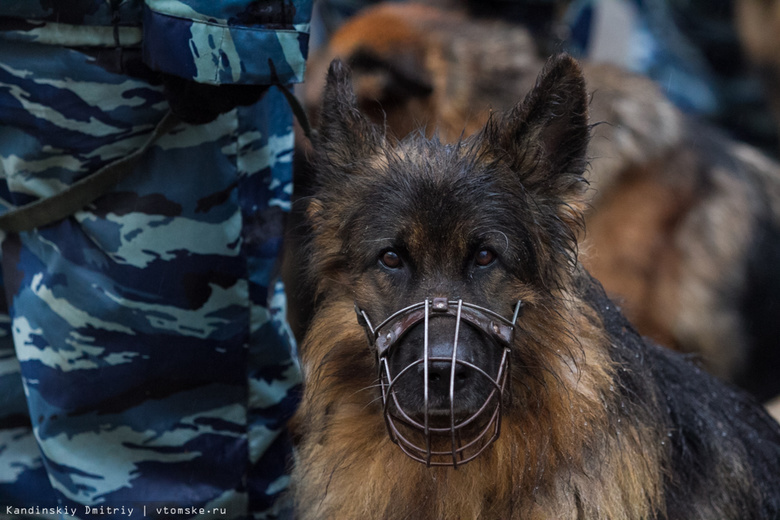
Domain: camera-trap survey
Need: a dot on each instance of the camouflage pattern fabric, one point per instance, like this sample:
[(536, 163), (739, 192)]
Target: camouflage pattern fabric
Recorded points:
[(145, 360)]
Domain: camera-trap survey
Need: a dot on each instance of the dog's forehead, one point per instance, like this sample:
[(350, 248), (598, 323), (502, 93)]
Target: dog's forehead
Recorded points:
[(438, 194)]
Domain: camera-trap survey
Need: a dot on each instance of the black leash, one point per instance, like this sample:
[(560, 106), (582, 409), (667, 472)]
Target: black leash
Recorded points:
[(295, 105)]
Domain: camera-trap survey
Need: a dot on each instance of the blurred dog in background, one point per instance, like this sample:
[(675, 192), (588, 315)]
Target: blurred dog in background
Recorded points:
[(682, 225)]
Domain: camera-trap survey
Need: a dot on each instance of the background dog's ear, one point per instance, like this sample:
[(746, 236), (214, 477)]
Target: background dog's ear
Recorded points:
[(545, 137), (345, 134)]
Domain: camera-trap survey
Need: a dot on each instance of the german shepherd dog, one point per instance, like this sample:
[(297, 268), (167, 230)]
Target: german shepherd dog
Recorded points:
[(461, 364), (683, 224)]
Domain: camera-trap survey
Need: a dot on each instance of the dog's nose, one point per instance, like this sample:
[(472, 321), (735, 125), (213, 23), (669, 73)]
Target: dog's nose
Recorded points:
[(440, 377)]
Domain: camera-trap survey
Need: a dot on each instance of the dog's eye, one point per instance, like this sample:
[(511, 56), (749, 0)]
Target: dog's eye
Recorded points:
[(390, 259), (484, 257)]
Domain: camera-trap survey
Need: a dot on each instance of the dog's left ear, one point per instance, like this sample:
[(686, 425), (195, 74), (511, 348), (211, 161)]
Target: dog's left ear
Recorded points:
[(545, 137), (345, 134)]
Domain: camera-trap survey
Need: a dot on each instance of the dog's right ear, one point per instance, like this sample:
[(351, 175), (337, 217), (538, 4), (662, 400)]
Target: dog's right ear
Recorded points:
[(345, 134), (545, 137)]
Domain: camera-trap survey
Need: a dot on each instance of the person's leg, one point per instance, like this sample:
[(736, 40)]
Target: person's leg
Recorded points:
[(156, 369)]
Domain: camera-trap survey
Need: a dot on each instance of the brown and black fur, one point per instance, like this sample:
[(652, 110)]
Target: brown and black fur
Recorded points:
[(600, 424), (683, 224)]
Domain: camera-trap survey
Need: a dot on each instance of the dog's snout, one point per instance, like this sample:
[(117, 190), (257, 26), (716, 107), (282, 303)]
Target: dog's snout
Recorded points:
[(441, 345), (442, 368), (443, 373)]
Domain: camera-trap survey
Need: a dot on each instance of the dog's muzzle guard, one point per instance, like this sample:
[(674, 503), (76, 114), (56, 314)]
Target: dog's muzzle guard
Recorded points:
[(465, 437)]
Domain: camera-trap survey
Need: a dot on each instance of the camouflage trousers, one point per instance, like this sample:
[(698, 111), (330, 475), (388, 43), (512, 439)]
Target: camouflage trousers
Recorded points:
[(146, 367)]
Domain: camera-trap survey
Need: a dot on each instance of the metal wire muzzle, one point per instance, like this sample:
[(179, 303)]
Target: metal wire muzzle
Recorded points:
[(464, 438)]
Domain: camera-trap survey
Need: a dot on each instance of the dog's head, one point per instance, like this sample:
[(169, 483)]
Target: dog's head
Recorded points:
[(440, 245)]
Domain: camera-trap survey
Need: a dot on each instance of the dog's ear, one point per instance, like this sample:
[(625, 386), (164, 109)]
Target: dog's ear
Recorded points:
[(345, 134), (545, 137)]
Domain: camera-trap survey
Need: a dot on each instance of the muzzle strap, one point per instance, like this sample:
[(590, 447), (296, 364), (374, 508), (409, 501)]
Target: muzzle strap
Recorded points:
[(389, 331)]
